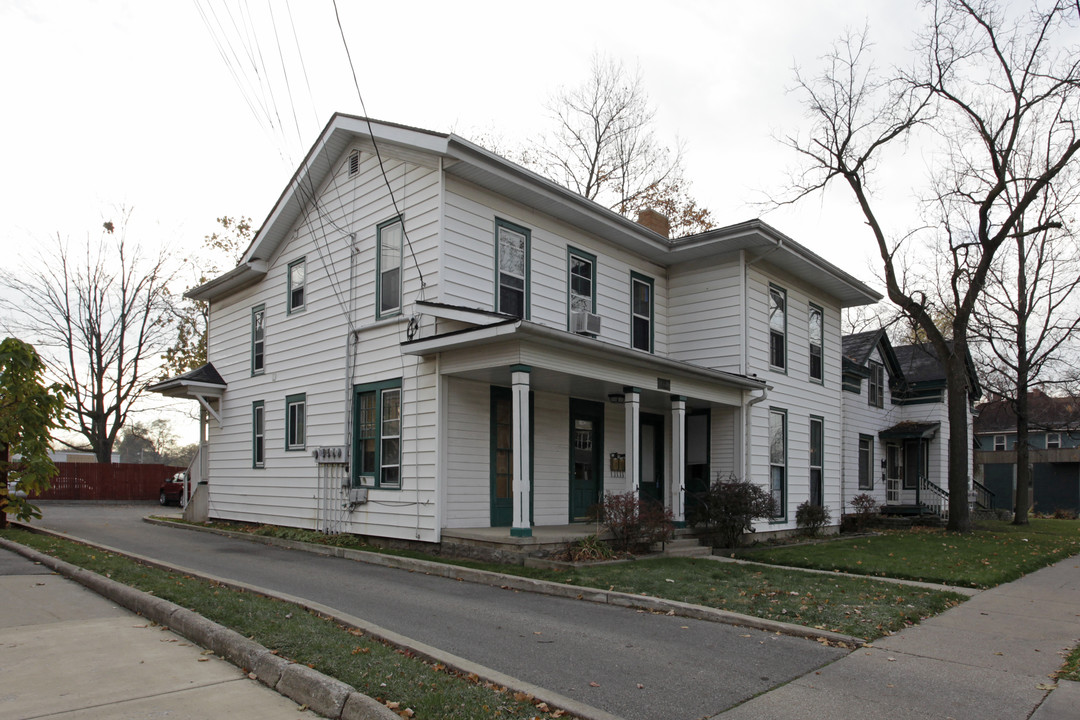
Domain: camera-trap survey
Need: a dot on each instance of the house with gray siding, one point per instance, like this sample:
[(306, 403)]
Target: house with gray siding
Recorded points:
[(424, 337)]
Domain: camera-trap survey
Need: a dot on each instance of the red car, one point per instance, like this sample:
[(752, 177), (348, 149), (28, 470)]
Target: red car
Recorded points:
[(172, 491)]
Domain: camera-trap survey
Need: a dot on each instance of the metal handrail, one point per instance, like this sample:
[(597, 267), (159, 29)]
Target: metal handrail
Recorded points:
[(984, 496)]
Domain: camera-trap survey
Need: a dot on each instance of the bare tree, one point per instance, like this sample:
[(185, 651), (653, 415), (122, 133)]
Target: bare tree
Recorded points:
[(1028, 317), (221, 250), (102, 320), (997, 90), (604, 147)]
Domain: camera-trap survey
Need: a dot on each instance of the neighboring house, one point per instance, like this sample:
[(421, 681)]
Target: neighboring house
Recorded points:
[(896, 425), (1054, 446), (483, 348)]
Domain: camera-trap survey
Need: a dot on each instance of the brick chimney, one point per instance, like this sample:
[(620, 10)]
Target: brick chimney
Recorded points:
[(657, 222)]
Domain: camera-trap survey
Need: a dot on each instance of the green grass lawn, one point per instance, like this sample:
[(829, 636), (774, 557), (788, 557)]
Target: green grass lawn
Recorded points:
[(370, 666), (995, 553), (1071, 669)]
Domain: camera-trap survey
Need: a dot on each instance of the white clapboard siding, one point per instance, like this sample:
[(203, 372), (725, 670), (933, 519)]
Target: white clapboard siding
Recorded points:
[(469, 265), (305, 352), (706, 320), (793, 391)]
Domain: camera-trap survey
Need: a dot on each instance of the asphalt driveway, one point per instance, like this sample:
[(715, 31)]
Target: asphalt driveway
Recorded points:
[(595, 654)]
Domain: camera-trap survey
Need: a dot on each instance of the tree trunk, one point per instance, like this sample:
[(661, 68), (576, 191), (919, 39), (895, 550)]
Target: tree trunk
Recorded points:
[(959, 440), (1023, 373)]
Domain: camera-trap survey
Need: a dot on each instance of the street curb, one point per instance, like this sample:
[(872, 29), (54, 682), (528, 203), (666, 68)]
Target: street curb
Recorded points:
[(270, 668), (542, 587), (322, 694)]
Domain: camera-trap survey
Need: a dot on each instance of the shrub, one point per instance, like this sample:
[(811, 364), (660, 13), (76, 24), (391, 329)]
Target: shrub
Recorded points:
[(587, 549), (634, 523), (865, 506), (729, 507), (811, 518)]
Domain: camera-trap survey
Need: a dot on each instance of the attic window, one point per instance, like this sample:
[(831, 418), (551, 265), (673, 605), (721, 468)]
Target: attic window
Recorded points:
[(876, 385), (354, 163)]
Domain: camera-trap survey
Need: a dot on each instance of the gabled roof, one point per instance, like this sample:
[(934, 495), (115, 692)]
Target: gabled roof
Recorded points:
[(921, 366), (857, 348), (205, 379), (1045, 412), (468, 161)]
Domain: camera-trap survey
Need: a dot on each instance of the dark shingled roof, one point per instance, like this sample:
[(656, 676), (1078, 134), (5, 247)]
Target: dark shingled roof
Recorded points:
[(206, 374), (1045, 412), (857, 347), (920, 363)]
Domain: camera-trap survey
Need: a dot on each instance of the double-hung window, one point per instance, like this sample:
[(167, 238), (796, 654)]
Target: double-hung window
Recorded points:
[(258, 339), (581, 281), (297, 284), (512, 269), (641, 312), (777, 328), (817, 452), (999, 442), (875, 385), (377, 409), (258, 434), (817, 333), (389, 273), (866, 462), (295, 421), (778, 462)]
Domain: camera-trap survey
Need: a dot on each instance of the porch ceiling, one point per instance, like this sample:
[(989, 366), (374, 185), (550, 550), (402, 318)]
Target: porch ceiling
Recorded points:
[(566, 363)]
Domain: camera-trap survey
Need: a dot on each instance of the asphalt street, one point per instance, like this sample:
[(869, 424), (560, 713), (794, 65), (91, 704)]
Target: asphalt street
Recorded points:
[(596, 654)]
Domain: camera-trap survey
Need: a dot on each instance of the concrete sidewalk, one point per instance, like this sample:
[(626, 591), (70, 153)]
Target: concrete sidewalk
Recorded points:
[(68, 652), (990, 657)]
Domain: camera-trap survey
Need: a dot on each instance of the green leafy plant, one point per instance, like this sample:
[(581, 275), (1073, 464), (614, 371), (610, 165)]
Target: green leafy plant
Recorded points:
[(811, 518), (727, 510), (865, 507), (589, 549)]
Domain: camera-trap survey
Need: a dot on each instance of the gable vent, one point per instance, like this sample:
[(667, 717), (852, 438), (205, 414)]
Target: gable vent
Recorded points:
[(354, 162)]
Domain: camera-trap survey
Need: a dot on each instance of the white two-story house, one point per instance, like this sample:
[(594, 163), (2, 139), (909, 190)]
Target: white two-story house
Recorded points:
[(896, 425), (424, 336)]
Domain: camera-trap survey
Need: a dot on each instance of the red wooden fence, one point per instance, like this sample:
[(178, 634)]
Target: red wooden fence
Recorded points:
[(116, 481)]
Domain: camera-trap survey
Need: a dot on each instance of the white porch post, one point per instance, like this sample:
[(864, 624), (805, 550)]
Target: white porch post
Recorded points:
[(678, 460), (521, 527), (632, 397)]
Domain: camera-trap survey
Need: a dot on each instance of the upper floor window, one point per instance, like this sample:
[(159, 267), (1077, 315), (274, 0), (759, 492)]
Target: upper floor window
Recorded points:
[(875, 385), (512, 269), (999, 442), (389, 271), (641, 312), (295, 421), (1053, 440), (258, 339), (777, 327), (817, 333), (296, 285), (582, 281)]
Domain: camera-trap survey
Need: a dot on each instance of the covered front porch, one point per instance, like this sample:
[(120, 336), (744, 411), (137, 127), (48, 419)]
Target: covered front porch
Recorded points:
[(541, 423)]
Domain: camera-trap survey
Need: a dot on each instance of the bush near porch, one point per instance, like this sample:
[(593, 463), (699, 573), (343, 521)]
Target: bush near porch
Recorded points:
[(995, 553)]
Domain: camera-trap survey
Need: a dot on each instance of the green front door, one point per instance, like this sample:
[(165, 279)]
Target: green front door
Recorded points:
[(586, 457), (651, 462)]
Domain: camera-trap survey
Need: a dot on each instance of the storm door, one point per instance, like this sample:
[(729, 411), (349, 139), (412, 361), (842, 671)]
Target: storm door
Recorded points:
[(651, 461), (586, 457)]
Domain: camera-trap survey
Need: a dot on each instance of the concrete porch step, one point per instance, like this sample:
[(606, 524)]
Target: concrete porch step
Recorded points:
[(683, 547)]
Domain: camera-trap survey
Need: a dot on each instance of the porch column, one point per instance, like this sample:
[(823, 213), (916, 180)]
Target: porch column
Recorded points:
[(521, 526), (632, 397), (678, 460)]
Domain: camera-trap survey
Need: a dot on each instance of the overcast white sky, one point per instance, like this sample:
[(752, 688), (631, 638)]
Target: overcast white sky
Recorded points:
[(111, 103)]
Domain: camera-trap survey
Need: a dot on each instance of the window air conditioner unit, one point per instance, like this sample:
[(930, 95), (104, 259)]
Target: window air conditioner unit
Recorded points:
[(585, 323)]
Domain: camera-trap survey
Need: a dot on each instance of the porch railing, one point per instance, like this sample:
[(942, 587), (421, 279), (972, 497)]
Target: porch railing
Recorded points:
[(984, 496), (937, 500)]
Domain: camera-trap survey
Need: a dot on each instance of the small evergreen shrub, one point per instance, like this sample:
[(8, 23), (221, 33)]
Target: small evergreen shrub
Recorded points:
[(811, 518), (589, 549), (727, 510)]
